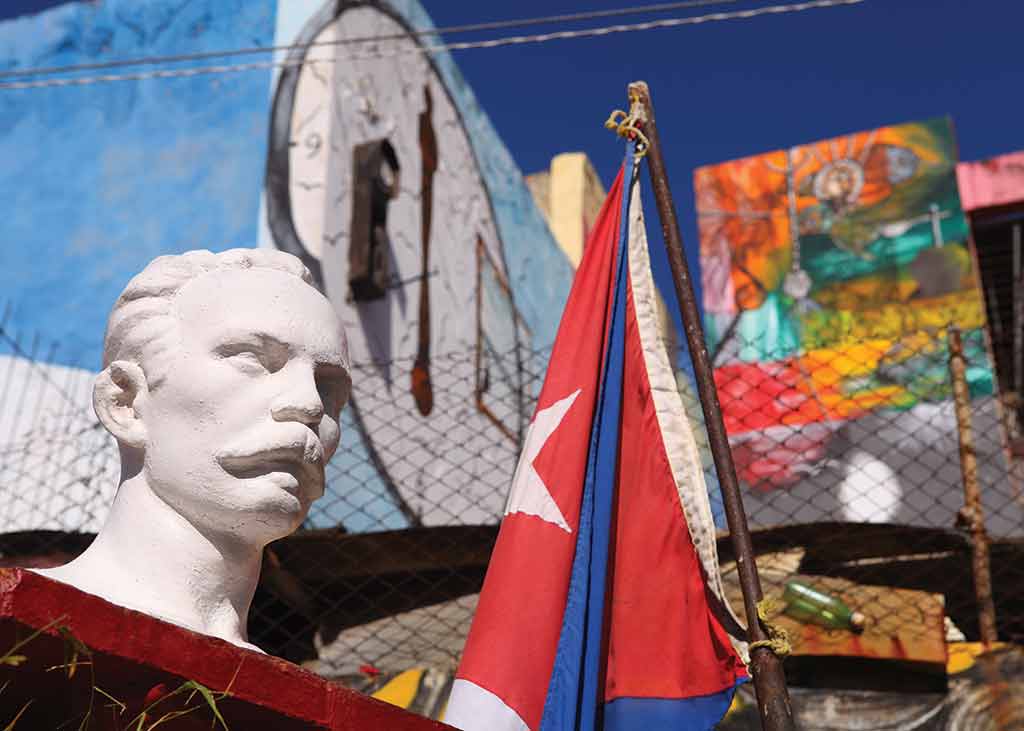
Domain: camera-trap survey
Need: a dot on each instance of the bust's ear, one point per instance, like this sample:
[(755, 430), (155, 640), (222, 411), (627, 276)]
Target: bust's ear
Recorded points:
[(116, 396)]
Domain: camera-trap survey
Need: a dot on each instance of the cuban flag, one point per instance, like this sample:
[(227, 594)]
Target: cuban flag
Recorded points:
[(603, 607)]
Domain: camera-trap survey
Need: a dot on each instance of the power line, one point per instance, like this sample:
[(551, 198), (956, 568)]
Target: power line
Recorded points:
[(422, 33), (457, 46)]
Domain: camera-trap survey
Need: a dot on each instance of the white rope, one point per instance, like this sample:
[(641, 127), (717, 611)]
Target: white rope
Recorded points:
[(459, 46)]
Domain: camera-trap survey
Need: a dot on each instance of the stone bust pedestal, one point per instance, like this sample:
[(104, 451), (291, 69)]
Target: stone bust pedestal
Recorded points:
[(223, 380), (138, 662)]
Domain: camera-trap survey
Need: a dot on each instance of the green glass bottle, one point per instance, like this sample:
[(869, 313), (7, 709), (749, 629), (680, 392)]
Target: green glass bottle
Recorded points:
[(811, 606)]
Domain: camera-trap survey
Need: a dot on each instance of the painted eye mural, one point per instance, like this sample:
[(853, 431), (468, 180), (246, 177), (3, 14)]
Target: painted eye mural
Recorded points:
[(373, 182)]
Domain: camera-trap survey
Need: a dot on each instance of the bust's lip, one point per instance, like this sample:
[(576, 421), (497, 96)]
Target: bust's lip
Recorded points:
[(305, 457)]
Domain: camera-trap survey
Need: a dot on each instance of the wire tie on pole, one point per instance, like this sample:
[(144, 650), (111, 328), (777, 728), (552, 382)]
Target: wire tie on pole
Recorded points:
[(778, 638), (628, 126)]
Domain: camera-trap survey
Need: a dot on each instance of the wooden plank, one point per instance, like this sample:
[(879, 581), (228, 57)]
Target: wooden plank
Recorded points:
[(140, 660), (903, 640)]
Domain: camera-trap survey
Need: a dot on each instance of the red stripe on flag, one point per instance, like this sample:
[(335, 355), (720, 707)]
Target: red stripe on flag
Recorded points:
[(511, 646), (664, 641)]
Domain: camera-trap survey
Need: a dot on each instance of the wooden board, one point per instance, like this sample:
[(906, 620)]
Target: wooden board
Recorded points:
[(903, 639)]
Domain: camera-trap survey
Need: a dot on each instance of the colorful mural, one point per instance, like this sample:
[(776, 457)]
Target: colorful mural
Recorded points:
[(375, 180), (381, 172), (830, 272), (370, 160)]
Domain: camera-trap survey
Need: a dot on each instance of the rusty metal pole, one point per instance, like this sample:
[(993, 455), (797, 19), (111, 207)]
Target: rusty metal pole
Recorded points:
[(971, 515), (766, 666)]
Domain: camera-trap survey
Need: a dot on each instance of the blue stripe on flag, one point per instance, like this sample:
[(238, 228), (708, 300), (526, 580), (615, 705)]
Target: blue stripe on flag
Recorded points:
[(700, 713), (576, 690)]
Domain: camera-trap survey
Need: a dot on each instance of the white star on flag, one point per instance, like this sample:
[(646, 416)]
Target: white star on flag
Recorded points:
[(529, 494)]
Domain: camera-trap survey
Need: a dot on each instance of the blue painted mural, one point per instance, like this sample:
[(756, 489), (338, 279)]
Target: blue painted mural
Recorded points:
[(99, 179)]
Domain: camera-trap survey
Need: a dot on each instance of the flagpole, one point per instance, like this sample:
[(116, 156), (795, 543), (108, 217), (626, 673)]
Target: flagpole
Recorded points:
[(765, 665)]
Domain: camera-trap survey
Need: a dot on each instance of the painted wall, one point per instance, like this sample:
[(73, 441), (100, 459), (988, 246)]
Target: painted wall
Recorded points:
[(569, 194), (472, 272), (103, 177), (830, 272), (99, 179), (998, 181)]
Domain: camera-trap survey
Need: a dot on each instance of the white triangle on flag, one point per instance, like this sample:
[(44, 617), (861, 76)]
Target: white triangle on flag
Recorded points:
[(529, 494)]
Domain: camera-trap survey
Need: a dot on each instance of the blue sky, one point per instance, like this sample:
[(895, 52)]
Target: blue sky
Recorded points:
[(730, 89)]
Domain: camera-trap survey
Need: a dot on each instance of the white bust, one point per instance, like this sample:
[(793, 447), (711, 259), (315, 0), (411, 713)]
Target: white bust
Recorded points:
[(224, 376)]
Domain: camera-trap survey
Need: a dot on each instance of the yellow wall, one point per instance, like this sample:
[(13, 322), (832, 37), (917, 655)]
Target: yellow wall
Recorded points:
[(569, 195)]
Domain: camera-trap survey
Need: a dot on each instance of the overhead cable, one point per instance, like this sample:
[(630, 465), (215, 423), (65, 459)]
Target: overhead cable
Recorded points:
[(419, 33), (456, 46)]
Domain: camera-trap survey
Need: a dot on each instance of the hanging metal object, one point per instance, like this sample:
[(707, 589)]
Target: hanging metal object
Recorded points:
[(375, 174)]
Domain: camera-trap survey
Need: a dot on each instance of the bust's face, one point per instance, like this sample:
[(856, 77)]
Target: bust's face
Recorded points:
[(240, 430)]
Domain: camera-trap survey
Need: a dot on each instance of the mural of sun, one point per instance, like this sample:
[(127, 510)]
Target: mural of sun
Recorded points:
[(754, 213), (830, 273)]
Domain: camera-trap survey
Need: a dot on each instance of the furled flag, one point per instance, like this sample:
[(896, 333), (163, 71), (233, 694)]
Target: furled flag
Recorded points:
[(603, 608)]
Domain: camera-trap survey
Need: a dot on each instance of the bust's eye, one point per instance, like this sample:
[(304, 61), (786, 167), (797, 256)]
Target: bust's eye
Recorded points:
[(245, 357), (262, 354), (248, 360)]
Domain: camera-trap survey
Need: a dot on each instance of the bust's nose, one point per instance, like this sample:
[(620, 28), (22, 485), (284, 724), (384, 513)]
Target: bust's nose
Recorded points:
[(299, 399)]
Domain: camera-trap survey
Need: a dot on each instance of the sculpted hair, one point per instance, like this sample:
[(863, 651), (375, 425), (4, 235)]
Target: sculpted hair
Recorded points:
[(143, 324)]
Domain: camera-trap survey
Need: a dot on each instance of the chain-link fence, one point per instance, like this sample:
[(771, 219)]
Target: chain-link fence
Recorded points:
[(851, 468), (383, 574), (851, 485)]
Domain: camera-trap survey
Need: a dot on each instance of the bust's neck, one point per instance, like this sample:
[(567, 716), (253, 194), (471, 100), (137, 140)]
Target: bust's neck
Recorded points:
[(149, 558)]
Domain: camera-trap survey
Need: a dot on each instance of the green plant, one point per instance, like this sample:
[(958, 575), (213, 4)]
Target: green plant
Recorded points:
[(78, 655)]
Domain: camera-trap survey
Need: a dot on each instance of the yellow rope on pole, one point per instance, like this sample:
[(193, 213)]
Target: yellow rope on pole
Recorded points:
[(628, 125), (778, 638)]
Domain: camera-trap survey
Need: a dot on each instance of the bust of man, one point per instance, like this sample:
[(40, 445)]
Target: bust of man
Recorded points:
[(224, 376)]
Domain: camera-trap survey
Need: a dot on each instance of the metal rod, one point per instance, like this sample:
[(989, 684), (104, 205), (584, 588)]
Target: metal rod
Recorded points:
[(935, 216), (972, 516), (1017, 294), (994, 318), (766, 666)]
